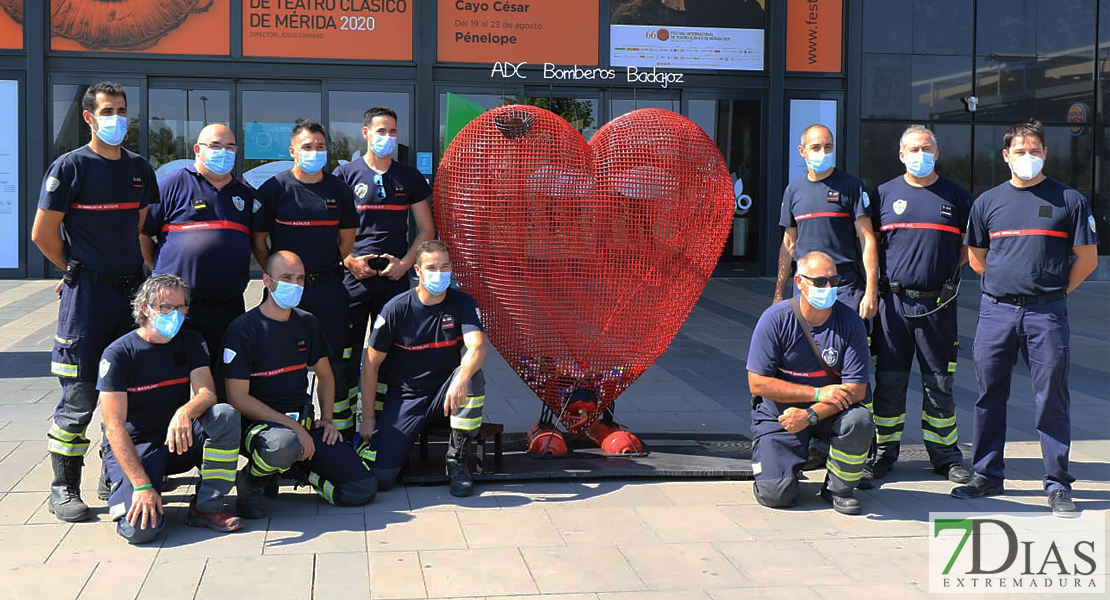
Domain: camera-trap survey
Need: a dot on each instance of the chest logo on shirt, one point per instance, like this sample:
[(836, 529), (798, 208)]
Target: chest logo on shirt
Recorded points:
[(105, 366), (331, 203), (302, 346), (52, 184), (1044, 212), (137, 182), (398, 190), (361, 189), (946, 211), (257, 205), (830, 356), (899, 206), (832, 196), (199, 204), (238, 203), (447, 322)]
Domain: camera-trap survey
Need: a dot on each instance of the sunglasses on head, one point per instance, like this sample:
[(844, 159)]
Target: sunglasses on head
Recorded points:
[(381, 186), (823, 281)]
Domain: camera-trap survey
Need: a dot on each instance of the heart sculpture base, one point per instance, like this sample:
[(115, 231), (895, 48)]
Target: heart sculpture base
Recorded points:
[(584, 258)]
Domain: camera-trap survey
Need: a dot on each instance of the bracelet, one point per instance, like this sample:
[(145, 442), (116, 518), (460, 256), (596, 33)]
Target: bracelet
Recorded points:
[(816, 394), (144, 487)]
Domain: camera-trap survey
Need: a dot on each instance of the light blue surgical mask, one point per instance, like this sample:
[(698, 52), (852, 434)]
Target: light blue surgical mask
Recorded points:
[(920, 164), (287, 295), (312, 161), (819, 162), (382, 145), (821, 297), (169, 324), (219, 161), (111, 129), (437, 282)]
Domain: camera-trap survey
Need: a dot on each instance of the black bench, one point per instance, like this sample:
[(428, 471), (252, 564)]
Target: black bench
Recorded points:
[(488, 430)]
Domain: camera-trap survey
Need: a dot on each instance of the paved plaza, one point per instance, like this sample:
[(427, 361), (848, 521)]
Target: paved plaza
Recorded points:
[(556, 540)]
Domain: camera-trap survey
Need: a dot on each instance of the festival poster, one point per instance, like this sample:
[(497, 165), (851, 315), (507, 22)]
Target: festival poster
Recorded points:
[(815, 36), (11, 25), (147, 26), (562, 32), (687, 34), (328, 29)]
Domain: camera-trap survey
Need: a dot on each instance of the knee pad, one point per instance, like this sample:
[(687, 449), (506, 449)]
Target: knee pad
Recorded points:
[(222, 419), (356, 493), (776, 493), (135, 535), (386, 478), (858, 424), (279, 447)]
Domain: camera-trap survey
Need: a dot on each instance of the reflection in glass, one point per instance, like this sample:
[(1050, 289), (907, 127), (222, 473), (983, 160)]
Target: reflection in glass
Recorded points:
[(268, 118), (486, 101), (1069, 157), (176, 118), (581, 113), (1012, 88), (345, 111), (71, 131)]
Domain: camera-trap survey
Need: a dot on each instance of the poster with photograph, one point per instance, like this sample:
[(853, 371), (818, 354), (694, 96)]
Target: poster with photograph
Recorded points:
[(146, 26), (11, 25), (687, 34)]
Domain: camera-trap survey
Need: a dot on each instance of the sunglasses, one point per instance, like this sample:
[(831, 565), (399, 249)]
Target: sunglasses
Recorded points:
[(380, 184), (823, 281)]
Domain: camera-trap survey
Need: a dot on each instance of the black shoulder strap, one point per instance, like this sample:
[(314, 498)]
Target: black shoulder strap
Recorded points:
[(809, 338)]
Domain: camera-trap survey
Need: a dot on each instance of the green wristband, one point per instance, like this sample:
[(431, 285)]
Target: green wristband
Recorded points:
[(144, 487), (816, 394)]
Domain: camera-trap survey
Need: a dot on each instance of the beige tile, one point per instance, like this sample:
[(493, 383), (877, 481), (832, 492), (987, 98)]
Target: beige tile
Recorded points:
[(396, 575), (904, 559), (38, 478), (687, 594), (770, 562), (508, 528), (436, 497), (271, 577), (605, 526), (183, 542), (691, 524), (21, 461), (114, 579), (99, 541), (17, 508), (299, 535), (792, 592), (671, 566), (884, 590), (551, 597), (34, 581), (705, 493), (581, 569), (30, 543), (341, 576), (611, 493), (395, 500), (486, 571), (400, 532), (534, 493), (173, 579)]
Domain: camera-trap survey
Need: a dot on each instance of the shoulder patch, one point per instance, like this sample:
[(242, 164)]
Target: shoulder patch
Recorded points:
[(52, 184), (379, 321), (866, 199), (1091, 224), (105, 366), (257, 205), (204, 345), (229, 355)]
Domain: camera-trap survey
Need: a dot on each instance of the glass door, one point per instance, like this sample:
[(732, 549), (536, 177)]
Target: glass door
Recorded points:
[(178, 111), (267, 120)]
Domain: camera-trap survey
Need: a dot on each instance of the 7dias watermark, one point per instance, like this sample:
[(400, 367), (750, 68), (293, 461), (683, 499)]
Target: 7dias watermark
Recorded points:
[(1017, 553)]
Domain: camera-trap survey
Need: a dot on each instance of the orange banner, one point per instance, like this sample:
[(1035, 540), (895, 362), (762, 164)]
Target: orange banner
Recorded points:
[(354, 29), (815, 36), (563, 32), (147, 26), (11, 29)]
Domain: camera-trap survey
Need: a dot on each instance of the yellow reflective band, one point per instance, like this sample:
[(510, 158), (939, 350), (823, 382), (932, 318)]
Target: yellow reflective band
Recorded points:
[(66, 343), (379, 405), (222, 474), (352, 393), (328, 492), (890, 421), (382, 388), (841, 474), (844, 457), (61, 434), (938, 422), (258, 428), (466, 424), (63, 370), (365, 453), (342, 405), (951, 367), (56, 447), (347, 353), (220, 454), (263, 466), (947, 440), (474, 402), (886, 439), (342, 424)]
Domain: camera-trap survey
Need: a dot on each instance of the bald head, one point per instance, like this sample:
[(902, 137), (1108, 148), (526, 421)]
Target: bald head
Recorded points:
[(816, 264), (214, 137), (284, 263), (216, 132)]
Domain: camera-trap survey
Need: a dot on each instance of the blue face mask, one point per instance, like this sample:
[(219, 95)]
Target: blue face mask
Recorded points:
[(437, 282), (111, 129), (219, 161), (920, 164), (312, 161), (382, 145), (819, 162), (821, 298), (168, 325), (287, 295)]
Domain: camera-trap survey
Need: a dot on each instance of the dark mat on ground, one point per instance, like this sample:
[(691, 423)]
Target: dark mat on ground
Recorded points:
[(724, 456)]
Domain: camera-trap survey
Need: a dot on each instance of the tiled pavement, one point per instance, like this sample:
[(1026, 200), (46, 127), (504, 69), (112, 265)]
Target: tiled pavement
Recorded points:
[(555, 540)]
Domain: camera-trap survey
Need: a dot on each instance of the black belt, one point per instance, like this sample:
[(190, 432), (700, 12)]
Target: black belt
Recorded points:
[(319, 276), (127, 280), (848, 266), (214, 301), (905, 292), (1023, 299)]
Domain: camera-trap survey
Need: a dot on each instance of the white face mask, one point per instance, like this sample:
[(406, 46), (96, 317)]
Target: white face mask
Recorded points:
[(1026, 166)]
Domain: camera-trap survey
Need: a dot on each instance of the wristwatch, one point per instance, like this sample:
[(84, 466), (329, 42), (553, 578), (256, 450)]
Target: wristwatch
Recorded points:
[(812, 416)]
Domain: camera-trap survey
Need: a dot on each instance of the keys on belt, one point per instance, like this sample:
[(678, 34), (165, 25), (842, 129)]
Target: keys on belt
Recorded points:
[(319, 276)]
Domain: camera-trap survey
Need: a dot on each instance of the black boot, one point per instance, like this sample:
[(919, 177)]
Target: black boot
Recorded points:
[(458, 469), (248, 489), (65, 491), (104, 483)]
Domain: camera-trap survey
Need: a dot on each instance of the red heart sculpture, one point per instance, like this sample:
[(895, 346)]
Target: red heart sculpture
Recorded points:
[(585, 259)]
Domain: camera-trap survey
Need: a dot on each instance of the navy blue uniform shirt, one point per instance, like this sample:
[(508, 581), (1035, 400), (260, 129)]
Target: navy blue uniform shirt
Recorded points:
[(383, 223), (101, 200), (306, 217), (825, 214), (155, 377), (920, 231), (274, 356), (780, 350), (1029, 233), (203, 233), (424, 343)]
